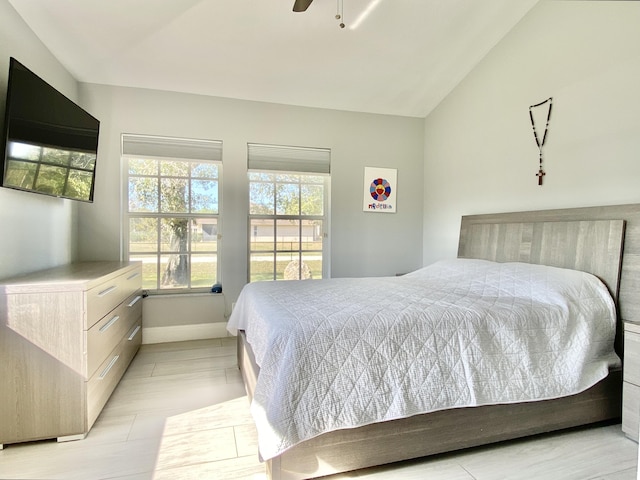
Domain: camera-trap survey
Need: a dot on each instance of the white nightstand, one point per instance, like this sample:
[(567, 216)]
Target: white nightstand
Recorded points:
[(631, 384)]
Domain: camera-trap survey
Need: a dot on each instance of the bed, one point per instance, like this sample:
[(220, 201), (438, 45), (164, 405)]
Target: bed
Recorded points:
[(588, 240)]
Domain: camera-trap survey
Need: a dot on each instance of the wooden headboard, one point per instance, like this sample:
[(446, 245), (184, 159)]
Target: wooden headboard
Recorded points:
[(588, 239), (593, 246)]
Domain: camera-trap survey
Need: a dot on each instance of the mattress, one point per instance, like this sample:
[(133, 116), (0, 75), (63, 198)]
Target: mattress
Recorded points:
[(342, 353)]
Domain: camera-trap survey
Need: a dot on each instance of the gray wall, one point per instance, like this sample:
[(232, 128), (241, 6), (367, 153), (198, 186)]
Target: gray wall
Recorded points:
[(37, 231), (480, 153), (362, 243)]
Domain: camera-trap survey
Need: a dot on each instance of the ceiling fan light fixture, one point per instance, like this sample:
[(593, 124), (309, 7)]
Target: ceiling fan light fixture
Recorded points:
[(302, 5), (340, 13)]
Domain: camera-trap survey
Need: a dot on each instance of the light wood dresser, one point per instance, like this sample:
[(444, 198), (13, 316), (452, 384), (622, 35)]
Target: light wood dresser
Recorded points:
[(67, 335), (631, 384)]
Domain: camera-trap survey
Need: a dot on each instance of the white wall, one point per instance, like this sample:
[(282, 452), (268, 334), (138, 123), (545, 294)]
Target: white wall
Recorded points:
[(37, 231), (362, 243), (480, 153), (173, 318)]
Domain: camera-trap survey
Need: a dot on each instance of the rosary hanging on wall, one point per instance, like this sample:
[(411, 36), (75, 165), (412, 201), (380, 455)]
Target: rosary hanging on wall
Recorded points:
[(540, 143)]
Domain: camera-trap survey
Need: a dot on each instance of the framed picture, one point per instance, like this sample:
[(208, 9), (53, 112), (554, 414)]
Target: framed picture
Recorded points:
[(380, 190)]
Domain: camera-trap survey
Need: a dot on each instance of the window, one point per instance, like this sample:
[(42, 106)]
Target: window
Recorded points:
[(172, 210), (288, 212)]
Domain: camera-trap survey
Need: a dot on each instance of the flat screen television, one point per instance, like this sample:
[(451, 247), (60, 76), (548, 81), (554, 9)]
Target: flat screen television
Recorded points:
[(50, 143)]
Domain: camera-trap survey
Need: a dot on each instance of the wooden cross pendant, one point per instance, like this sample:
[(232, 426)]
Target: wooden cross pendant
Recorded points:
[(540, 174)]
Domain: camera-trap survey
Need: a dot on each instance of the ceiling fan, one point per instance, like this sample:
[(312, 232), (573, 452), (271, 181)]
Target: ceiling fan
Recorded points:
[(301, 5)]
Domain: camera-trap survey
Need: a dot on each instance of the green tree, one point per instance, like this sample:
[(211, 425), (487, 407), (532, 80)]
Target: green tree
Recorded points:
[(286, 194), (177, 271), (174, 198)]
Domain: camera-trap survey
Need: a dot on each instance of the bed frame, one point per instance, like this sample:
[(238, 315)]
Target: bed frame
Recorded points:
[(604, 241)]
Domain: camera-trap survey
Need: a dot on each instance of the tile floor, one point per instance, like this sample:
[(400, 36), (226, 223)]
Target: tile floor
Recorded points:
[(180, 412)]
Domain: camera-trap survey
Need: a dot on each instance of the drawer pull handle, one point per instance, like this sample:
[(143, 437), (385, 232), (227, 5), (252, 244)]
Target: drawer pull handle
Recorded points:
[(131, 277), (134, 333), (105, 372), (134, 301), (107, 291), (109, 323)]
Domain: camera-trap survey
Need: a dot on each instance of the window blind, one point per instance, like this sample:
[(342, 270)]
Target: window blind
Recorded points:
[(289, 159), (185, 148)]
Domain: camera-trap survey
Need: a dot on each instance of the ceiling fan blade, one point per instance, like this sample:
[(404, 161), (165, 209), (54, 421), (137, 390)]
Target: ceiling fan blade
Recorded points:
[(301, 5)]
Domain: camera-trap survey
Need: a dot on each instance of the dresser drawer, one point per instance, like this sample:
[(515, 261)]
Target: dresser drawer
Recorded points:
[(103, 382), (132, 340), (108, 332), (103, 298), (101, 385)]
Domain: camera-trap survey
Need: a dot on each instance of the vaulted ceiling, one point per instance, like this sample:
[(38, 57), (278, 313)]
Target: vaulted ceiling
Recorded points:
[(398, 57)]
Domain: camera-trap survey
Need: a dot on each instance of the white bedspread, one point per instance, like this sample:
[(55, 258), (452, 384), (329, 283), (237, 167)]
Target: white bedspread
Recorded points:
[(342, 353)]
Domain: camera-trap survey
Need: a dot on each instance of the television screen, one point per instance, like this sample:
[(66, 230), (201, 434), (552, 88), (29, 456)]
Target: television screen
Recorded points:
[(51, 143)]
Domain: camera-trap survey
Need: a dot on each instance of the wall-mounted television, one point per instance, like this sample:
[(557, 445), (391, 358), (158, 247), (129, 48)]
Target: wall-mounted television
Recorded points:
[(50, 143)]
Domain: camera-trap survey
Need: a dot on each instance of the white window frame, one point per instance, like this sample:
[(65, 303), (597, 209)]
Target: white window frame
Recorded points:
[(170, 149), (284, 160)]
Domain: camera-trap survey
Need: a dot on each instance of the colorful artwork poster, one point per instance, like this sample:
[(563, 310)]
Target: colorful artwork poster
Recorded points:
[(380, 190)]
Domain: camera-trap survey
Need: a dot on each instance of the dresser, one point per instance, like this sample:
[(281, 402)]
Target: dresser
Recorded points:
[(67, 335), (631, 383)]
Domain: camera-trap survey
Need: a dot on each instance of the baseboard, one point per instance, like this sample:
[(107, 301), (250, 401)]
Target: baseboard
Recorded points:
[(180, 333)]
